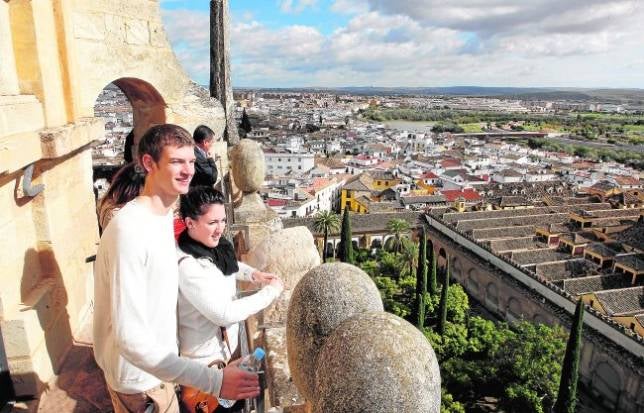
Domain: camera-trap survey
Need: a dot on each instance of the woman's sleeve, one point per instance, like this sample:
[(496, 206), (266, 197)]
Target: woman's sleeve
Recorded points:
[(203, 289), (245, 272)]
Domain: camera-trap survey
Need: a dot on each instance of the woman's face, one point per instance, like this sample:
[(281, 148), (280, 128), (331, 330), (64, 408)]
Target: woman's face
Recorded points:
[(209, 227)]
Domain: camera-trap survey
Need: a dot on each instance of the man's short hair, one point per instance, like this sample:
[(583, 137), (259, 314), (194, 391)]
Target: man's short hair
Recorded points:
[(203, 133), (159, 136)]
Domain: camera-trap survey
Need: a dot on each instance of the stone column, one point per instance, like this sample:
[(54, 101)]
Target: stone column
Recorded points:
[(220, 84), (248, 171)]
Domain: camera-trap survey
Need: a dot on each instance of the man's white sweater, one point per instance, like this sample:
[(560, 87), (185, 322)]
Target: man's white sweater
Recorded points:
[(135, 293)]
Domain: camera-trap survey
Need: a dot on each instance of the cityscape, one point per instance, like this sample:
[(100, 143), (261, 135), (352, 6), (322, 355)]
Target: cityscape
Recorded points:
[(404, 207), (552, 186)]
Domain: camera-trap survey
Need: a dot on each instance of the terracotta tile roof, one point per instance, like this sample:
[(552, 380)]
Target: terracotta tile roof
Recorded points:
[(633, 236), (496, 233), (454, 194), (635, 261), (450, 163), (594, 283), (504, 245), (429, 175), (566, 269), (275, 202), (626, 301), (517, 220), (626, 180), (538, 256)]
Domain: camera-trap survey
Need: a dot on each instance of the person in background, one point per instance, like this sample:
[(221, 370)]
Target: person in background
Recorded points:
[(136, 289), (125, 186), (209, 312), (127, 147), (205, 168)]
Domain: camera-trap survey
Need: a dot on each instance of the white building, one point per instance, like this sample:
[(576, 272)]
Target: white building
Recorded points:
[(282, 163)]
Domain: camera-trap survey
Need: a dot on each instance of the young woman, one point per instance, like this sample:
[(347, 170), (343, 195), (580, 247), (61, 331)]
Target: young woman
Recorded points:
[(208, 309), (126, 185)]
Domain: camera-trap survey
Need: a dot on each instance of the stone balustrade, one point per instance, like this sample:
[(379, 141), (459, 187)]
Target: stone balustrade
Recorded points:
[(330, 346)]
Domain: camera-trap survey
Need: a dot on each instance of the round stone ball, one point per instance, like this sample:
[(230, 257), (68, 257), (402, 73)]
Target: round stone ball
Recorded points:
[(247, 163), (325, 297), (378, 363)]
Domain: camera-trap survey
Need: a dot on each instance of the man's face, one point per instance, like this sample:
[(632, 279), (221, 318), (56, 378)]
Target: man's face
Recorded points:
[(206, 145), (172, 174)]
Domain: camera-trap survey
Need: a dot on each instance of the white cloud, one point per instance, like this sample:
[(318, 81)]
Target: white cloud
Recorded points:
[(349, 6), (296, 6), (401, 44)]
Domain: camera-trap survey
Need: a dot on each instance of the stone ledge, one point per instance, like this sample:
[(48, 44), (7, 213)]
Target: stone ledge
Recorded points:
[(18, 151), (60, 141), (283, 392)]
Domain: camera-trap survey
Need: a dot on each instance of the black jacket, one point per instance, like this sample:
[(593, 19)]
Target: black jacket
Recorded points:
[(205, 170)]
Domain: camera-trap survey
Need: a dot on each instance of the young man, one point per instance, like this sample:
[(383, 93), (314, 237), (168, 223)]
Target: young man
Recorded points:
[(136, 289), (205, 168)]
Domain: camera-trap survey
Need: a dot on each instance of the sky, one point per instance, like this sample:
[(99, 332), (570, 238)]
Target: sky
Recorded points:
[(413, 43)]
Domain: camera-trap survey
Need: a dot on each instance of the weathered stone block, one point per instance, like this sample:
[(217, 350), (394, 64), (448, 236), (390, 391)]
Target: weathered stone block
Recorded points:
[(89, 26), (289, 253), (115, 27), (20, 114), (283, 392), (378, 363), (15, 339), (57, 142), (325, 297), (137, 32)]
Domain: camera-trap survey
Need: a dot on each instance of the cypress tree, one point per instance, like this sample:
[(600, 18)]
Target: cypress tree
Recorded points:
[(421, 280), (442, 307), (567, 396), (346, 246), (433, 288)]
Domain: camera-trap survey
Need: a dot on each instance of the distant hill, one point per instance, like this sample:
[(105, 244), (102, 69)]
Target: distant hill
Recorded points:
[(570, 94)]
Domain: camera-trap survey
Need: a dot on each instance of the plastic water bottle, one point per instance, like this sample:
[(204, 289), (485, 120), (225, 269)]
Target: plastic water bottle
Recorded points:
[(252, 363)]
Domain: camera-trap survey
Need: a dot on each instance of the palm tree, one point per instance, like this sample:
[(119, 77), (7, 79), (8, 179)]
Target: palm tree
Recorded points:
[(410, 254), (397, 226), (325, 222)]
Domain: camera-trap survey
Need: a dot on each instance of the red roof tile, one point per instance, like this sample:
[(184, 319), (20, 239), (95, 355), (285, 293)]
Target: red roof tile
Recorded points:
[(467, 194)]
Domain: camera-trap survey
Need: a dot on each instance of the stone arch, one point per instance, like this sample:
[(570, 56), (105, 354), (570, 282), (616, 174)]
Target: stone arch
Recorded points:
[(457, 267), (472, 282), (606, 381), (430, 250), (492, 295), (148, 106), (514, 312), (442, 258)]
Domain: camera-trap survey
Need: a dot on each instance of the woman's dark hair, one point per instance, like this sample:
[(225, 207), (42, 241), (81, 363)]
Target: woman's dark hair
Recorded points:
[(203, 133), (126, 184), (197, 199)]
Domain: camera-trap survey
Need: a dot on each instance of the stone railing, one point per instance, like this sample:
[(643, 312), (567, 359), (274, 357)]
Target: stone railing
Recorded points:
[(330, 346)]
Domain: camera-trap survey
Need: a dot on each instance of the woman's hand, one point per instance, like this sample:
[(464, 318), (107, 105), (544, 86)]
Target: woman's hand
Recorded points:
[(260, 277)]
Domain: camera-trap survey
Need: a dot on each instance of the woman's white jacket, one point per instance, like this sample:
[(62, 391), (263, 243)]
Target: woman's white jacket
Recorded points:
[(207, 302)]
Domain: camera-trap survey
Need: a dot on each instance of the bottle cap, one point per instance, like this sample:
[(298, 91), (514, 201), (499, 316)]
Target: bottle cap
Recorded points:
[(259, 353)]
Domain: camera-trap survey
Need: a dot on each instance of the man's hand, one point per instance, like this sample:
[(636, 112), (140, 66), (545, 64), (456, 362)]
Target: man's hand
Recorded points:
[(238, 384)]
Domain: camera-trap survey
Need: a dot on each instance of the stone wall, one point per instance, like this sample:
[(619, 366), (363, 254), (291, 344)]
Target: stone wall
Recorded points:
[(55, 58)]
